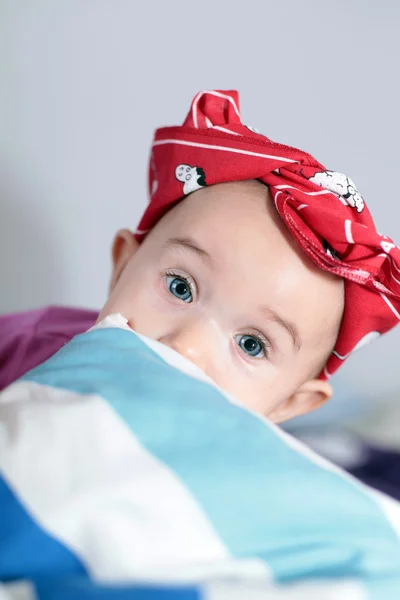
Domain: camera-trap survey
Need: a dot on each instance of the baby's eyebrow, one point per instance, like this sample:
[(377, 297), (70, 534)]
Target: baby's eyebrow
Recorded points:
[(190, 245), (289, 327)]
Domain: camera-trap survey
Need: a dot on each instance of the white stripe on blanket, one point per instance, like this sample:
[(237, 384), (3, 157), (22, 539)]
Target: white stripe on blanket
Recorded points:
[(123, 512)]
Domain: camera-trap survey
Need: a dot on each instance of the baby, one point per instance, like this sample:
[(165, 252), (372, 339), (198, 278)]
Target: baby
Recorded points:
[(268, 274), (220, 280)]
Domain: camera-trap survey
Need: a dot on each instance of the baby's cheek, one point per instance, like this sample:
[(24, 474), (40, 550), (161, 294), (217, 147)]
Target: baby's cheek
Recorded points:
[(155, 312), (128, 300), (145, 315), (260, 393)]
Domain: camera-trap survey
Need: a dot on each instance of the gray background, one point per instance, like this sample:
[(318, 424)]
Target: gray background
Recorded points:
[(84, 83)]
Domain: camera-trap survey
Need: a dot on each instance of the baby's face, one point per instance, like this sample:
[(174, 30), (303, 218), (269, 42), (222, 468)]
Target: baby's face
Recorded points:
[(221, 281)]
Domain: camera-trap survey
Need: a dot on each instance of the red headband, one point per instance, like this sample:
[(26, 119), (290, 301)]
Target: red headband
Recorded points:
[(322, 209)]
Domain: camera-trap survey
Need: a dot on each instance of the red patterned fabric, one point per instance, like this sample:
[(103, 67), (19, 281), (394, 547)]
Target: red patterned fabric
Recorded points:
[(322, 209)]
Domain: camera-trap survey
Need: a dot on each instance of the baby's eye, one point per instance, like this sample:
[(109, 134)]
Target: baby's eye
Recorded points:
[(251, 345), (180, 288)]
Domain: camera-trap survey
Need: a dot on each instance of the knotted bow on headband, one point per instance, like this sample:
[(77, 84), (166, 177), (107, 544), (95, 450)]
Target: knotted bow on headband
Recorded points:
[(322, 209)]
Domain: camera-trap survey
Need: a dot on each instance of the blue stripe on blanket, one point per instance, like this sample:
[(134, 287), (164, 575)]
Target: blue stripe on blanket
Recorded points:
[(25, 549), (83, 589), (329, 525)]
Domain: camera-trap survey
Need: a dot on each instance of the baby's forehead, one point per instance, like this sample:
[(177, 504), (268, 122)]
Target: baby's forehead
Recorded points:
[(238, 224), (224, 203), (234, 220)]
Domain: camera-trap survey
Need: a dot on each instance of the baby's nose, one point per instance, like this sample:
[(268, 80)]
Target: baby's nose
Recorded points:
[(191, 342)]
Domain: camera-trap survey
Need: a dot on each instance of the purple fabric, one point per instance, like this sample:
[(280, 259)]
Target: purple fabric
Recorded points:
[(28, 339)]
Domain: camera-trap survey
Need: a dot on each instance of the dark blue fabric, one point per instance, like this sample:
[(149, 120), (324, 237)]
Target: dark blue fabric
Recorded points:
[(83, 589), (21, 539)]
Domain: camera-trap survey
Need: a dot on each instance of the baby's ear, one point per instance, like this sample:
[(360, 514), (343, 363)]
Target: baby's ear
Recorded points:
[(123, 248), (311, 395)]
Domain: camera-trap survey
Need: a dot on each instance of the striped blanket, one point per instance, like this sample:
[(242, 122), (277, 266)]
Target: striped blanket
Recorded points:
[(125, 473)]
